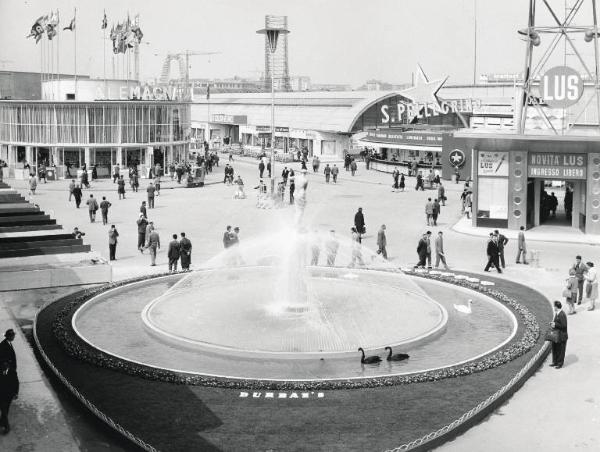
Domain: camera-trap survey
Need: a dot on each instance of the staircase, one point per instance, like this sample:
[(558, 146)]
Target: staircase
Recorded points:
[(36, 252)]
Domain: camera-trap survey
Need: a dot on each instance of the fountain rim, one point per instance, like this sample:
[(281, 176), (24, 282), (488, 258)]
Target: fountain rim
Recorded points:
[(304, 380)]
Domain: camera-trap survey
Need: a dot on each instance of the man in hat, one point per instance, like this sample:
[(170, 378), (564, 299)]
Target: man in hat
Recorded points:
[(9, 381)]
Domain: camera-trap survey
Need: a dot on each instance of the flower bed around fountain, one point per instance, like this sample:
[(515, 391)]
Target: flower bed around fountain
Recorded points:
[(524, 341)]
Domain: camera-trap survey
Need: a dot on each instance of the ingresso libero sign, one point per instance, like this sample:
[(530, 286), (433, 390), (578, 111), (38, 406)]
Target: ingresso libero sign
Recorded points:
[(559, 165)]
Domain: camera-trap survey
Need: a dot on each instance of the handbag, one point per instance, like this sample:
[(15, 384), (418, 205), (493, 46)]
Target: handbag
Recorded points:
[(566, 293), (552, 335)]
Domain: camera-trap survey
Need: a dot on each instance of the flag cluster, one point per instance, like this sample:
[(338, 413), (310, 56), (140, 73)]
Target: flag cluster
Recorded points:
[(48, 24), (125, 35)]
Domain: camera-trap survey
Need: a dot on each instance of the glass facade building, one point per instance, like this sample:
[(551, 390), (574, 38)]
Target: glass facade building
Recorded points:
[(101, 133)]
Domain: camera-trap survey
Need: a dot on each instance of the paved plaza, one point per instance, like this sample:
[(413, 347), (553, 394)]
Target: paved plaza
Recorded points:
[(203, 213)]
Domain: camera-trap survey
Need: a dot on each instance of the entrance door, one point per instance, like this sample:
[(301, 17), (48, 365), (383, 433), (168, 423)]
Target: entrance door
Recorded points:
[(103, 162), (159, 157)]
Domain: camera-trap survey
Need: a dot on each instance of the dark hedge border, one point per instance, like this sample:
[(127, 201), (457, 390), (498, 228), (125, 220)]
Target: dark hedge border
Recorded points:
[(79, 349)]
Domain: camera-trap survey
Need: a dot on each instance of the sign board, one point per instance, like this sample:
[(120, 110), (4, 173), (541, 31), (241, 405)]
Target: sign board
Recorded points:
[(229, 119), (561, 87), (268, 129), (492, 164), (404, 137), (457, 158), (560, 165)]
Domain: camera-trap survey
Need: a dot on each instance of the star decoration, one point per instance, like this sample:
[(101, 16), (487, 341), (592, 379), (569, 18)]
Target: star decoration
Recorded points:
[(456, 158), (424, 91)]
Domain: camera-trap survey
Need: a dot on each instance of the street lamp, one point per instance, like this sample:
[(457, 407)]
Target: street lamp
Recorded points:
[(272, 34)]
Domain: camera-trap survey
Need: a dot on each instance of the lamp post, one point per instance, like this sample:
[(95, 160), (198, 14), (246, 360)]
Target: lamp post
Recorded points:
[(272, 34)]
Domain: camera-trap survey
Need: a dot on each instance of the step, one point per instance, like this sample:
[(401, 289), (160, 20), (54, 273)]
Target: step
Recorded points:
[(26, 220), (19, 212), (17, 205), (29, 228), (22, 245), (45, 250), (34, 238)]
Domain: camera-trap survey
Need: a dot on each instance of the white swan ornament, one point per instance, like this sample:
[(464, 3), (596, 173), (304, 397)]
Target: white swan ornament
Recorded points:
[(464, 309)]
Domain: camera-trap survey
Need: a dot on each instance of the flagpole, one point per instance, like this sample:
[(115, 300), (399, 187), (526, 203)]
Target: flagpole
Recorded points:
[(104, 51), (75, 48), (58, 63)]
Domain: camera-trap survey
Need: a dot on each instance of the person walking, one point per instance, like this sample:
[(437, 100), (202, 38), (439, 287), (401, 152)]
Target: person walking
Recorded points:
[(77, 194), (227, 237), (591, 289), (429, 212), (522, 251), (422, 250), (285, 174), (173, 254), (104, 205), (356, 248), (334, 173), (331, 248), (71, 188), (142, 222), (492, 254), (92, 208), (150, 190), (157, 185), (439, 251), (261, 168), (402, 183), (559, 348), (441, 193), (468, 204), (437, 209), (419, 185), (9, 380), (292, 186), (121, 187), (112, 242), (570, 292), (327, 172), (153, 246), (135, 182), (185, 251), (32, 184), (353, 167), (269, 168), (116, 173), (580, 269), (143, 209), (359, 224), (382, 242)]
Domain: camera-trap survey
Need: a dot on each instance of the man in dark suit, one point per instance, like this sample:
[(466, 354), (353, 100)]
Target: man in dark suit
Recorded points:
[(173, 253), (492, 254), (559, 348), (9, 382), (502, 241), (185, 248), (422, 250), (580, 268), (359, 224)]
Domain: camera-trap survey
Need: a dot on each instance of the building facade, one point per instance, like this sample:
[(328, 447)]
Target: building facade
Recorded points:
[(102, 133)]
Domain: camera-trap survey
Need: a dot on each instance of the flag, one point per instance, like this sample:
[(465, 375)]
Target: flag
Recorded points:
[(52, 24), (38, 28), (71, 25), (104, 22)]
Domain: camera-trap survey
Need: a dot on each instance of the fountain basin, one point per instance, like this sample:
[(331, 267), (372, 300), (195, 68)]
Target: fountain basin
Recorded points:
[(232, 311)]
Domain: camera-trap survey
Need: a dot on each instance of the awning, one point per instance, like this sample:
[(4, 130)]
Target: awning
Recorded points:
[(408, 147)]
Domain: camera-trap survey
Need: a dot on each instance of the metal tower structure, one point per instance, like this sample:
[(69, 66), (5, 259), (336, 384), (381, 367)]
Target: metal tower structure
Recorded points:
[(276, 63), (578, 33), (183, 60)]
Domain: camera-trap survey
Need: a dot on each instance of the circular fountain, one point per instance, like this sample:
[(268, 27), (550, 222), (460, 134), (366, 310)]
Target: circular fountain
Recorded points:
[(291, 306)]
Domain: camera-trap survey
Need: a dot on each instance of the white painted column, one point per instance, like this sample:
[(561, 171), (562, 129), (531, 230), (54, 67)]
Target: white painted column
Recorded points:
[(537, 193), (86, 157), (577, 192), (29, 155)]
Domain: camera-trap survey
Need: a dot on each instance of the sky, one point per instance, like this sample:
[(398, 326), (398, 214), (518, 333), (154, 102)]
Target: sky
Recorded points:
[(334, 41)]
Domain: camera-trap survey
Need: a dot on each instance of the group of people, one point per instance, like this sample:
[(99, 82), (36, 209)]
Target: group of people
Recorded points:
[(581, 284), (424, 251)]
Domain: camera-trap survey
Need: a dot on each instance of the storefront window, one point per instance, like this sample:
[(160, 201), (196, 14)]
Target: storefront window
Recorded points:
[(492, 199)]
